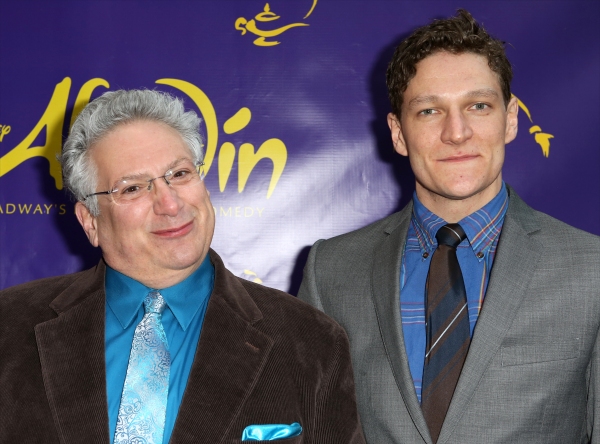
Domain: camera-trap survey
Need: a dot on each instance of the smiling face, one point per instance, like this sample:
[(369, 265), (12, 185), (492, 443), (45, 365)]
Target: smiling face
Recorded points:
[(453, 127), (160, 239)]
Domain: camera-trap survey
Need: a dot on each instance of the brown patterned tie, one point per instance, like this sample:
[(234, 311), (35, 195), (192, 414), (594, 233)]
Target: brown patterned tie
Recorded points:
[(447, 328)]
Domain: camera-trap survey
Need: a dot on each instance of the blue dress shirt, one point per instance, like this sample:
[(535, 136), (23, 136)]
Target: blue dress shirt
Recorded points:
[(475, 256), (182, 321)]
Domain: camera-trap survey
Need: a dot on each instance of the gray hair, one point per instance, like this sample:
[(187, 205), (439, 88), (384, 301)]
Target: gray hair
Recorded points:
[(103, 115)]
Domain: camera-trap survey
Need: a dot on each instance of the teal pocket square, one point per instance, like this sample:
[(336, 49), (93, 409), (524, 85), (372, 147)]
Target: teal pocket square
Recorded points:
[(271, 432)]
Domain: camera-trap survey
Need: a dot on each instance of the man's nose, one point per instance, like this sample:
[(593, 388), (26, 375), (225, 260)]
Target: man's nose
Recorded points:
[(457, 128), (166, 199)]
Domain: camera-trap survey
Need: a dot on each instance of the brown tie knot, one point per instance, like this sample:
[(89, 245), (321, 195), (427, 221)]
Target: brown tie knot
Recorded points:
[(451, 235)]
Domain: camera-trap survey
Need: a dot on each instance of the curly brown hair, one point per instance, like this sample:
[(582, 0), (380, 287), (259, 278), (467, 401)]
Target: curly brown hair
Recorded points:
[(457, 35)]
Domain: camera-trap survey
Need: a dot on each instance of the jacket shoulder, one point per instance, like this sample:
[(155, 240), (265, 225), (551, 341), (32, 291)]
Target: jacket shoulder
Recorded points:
[(561, 229), (287, 316), (41, 288), (32, 299), (548, 229), (365, 238)]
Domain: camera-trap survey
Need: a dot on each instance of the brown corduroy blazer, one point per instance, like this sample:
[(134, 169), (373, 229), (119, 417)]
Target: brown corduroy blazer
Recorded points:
[(263, 357)]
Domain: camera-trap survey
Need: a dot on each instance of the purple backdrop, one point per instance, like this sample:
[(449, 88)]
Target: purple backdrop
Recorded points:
[(312, 107)]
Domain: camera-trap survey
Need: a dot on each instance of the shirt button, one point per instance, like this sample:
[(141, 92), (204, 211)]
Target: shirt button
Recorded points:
[(480, 255), (425, 255)]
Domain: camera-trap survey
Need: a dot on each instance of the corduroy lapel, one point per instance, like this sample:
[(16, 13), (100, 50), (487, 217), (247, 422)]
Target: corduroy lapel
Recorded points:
[(386, 296), (516, 260), (71, 349), (229, 359)]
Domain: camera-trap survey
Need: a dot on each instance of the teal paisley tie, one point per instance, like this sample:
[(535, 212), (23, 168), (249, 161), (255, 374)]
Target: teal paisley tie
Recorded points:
[(143, 406)]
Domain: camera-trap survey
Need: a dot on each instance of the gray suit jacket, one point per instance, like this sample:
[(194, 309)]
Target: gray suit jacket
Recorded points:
[(531, 375)]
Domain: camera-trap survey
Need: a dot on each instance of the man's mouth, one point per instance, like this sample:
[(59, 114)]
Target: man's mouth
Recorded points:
[(459, 158), (175, 231)]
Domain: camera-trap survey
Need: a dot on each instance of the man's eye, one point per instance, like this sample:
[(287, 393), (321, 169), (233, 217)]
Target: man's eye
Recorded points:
[(480, 106), (131, 189), (180, 174), (427, 112)]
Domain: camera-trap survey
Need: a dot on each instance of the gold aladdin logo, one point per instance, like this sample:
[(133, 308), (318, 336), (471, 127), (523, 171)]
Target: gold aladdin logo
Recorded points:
[(247, 157), (4, 130), (542, 139), (243, 25)]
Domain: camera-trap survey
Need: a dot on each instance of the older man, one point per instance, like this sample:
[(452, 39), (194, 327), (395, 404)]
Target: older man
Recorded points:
[(472, 318), (159, 342)]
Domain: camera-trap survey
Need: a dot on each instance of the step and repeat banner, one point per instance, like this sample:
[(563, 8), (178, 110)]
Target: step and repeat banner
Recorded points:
[(293, 100)]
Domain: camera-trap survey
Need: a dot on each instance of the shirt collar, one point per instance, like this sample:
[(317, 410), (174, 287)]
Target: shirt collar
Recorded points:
[(482, 227), (125, 295)]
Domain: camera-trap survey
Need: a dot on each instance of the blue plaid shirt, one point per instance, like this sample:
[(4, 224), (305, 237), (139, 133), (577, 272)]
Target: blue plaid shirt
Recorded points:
[(475, 256)]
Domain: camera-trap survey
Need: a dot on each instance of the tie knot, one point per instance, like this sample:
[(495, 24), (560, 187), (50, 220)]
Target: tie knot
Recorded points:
[(451, 235), (154, 303)]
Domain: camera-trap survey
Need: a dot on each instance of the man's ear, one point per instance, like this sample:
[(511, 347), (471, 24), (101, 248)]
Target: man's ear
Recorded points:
[(397, 136), (88, 223), (512, 120)]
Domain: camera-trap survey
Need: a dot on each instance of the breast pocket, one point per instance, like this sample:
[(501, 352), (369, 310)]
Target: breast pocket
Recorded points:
[(294, 440), (545, 352)]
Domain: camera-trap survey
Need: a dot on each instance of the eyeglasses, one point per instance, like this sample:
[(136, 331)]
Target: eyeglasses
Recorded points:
[(129, 190)]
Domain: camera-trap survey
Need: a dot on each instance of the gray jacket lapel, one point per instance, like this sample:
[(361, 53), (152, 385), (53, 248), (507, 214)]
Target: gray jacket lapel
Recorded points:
[(516, 259), (71, 350), (385, 292)]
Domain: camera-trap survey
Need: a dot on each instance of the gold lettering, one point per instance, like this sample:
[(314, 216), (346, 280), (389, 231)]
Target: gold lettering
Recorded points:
[(25, 207), (235, 123), (52, 120), (4, 130), (273, 149), (238, 121), (62, 210), (226, 158), (542, 139), (40, 208), (523, 107), (311, 9), (252, 276), (84, 96), (238, 211), (208, 112)]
